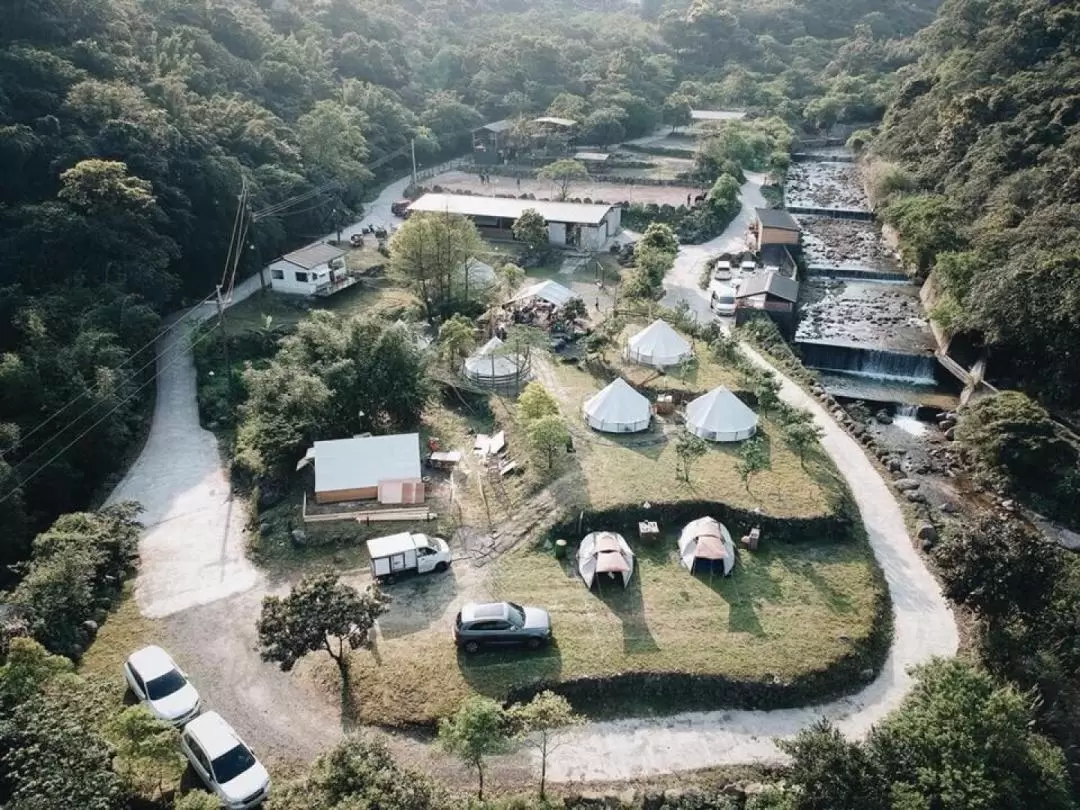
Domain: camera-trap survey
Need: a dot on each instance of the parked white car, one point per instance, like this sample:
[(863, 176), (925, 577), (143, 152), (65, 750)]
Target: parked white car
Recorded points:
[(224, 762), (748, 267), (722, 300), (158, 682), (722, 271)]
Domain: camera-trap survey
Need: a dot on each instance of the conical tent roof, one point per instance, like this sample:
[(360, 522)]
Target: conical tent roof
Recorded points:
[(618, 409), (720, 416), (489, 364), (658, 345)]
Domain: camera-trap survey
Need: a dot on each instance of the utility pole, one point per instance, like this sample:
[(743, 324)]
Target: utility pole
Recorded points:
[(225, 342), (412, 147)]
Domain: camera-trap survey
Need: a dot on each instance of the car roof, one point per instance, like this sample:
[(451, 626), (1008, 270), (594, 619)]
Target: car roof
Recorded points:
[(151, 661), (481, 611), (213, 734)]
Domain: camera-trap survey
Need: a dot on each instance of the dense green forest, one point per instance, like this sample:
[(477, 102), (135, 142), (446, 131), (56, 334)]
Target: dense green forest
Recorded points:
[(127, 128), (989, 122)]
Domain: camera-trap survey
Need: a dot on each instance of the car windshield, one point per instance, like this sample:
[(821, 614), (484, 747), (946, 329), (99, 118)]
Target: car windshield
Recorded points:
[(725, 299), (231, 764), (165, 685), (517, 614)]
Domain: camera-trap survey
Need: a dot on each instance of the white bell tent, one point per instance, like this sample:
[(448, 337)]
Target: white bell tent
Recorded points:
[(492, 366), (658, 345), (720, 416), (618, 409), (605, 553), (706, 542)]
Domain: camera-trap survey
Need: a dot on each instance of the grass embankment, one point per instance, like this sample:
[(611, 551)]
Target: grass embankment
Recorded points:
[(786, 611)]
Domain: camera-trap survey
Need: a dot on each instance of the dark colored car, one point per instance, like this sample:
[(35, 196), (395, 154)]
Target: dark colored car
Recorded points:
[(399, 208), (498, 624)]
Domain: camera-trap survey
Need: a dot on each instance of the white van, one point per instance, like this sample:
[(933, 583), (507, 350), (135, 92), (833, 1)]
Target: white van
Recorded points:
[(722, 301), (405, 552), (722, 271)]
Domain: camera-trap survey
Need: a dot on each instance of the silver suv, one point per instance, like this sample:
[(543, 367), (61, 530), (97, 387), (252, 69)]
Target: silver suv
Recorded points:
[(501, 624)]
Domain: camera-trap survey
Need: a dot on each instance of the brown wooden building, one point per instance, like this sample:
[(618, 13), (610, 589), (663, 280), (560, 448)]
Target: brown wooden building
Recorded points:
[(770, 295), (775, 226)]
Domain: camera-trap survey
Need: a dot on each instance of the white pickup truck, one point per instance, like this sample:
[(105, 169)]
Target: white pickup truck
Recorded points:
[(406, 552)]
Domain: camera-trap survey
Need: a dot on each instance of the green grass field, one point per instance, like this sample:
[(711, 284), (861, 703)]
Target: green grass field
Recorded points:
[(786, 610)]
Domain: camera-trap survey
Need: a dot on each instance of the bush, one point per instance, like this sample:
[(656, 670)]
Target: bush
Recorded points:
[(77, 570), (1015, 447)]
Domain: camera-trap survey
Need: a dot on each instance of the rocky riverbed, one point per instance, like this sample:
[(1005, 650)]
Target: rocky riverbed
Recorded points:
[(848, 244), (871, 314), (826, 184)]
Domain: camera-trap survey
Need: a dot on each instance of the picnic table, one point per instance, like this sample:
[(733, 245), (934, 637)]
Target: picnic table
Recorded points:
[(648, 528)]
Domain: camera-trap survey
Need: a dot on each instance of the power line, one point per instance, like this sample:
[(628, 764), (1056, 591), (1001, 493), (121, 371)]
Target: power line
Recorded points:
[(101, 385), (106, 415)]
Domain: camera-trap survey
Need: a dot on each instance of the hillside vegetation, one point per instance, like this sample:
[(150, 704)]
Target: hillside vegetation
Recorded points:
[(127, 128), (988, 122)]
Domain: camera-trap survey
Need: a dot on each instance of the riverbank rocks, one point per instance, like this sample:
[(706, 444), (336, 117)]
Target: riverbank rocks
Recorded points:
[(299, 537), (906, 484), (927, 533), (914, 496), (883, 417)]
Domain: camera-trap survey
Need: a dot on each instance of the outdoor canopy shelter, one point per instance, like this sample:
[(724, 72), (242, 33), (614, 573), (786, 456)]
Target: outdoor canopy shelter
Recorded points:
[(720, 416), (618, 409), (551, 291), (658, 345), (605, 553), (706, 541), (489, 366)]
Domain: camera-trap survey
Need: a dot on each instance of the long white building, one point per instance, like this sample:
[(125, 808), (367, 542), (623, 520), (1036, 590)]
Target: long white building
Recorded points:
[(570, 225)]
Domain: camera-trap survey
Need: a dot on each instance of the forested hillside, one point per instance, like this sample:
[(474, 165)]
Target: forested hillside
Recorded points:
[(990, 120), (128, 126)]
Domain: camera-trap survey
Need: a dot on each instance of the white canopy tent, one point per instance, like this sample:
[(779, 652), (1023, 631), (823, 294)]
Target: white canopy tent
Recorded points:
[(707, 541), (720, 416), (491, 366), (605, 553), (658, 345), (551, 291), (617, 409)]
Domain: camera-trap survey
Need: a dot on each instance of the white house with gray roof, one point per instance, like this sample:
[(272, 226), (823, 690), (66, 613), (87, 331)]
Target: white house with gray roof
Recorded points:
[(317, 269)]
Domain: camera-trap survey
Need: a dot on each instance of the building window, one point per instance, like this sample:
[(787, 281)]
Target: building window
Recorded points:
[(301, 276), (277, 273)]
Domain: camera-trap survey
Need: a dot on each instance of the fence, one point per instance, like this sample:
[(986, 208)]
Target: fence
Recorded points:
[(410, 514)]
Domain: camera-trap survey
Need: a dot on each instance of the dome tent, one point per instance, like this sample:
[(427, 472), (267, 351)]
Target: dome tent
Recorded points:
[(720, 416), (489, 366), (658, 345), (617, 409), (706, 542), (605, 553)]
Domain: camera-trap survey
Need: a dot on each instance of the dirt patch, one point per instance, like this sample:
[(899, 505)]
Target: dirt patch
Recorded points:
[(541, 190), (846, 243), (825, 184)]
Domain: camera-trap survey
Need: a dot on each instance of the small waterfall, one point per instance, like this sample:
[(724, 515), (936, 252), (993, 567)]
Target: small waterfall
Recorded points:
[(907, 419), (918, 369)]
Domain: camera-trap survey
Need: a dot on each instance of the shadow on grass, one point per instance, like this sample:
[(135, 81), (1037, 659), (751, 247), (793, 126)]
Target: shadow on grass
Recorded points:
[(749, 586), (629, 606), (493, 671), (805, 567)]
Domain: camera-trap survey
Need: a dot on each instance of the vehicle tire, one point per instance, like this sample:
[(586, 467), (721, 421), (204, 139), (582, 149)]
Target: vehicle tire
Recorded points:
[(533, 643), (471, 647), (440, 567)]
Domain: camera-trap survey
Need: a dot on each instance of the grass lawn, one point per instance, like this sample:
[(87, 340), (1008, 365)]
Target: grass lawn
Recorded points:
[(632, 468), (123, 632), (787, 609)]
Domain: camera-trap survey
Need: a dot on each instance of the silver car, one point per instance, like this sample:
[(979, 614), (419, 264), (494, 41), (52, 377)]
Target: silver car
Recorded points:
[(158, 682), (501, 624)]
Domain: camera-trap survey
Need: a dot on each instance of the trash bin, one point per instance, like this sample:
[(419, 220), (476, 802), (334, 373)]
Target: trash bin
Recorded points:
[(560, 549)]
